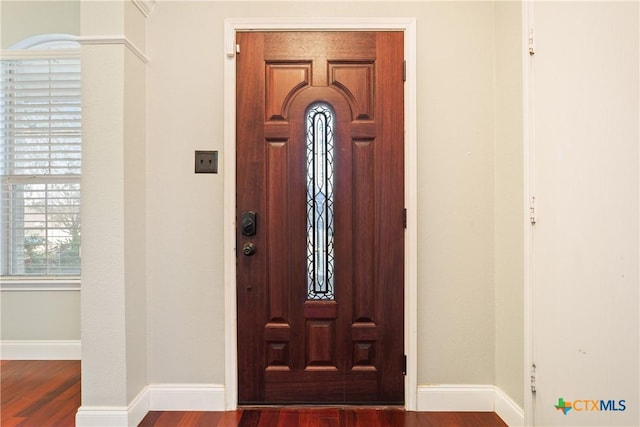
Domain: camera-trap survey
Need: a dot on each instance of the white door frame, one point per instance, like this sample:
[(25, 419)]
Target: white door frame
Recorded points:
[(408, 26), (528, 161)]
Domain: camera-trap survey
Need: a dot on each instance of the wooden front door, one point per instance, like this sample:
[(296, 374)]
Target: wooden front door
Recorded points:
[(320, 215)]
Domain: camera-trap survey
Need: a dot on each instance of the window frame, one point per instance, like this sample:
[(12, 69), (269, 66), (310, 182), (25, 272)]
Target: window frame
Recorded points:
[(43, 47)]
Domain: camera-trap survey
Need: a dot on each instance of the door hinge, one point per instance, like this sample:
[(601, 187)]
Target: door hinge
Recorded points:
[(404, 71), (532, 43), (404, 218), (532, 211), (237, 49), (404, 364), (533, 378)]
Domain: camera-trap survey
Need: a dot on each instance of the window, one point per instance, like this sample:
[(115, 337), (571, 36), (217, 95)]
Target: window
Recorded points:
[(320, 256), (40, 160)]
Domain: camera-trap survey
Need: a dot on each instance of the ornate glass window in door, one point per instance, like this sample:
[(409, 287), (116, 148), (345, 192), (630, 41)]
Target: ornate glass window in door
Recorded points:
[(320, 255)]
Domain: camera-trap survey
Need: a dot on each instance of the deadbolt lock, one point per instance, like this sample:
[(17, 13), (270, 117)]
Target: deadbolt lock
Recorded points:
[(248, 223)]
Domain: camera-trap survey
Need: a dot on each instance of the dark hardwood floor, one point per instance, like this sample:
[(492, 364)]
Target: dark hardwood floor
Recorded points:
[(47, 394), (38, 393), (337, 417)]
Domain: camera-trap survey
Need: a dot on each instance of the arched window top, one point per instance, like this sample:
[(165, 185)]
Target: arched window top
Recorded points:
[(47, 42), (320, 107)]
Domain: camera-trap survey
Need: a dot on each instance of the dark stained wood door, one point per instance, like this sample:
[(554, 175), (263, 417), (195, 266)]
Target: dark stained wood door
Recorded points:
[(343, 340)]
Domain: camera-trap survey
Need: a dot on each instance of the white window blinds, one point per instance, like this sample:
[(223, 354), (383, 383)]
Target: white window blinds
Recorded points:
[(40, 160)]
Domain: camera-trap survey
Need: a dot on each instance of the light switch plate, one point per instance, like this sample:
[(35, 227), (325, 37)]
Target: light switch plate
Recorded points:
[(206, 162)]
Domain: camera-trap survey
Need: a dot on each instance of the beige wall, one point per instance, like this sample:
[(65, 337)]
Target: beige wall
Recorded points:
[(135, 190), (455, 192), (24, 18), (114, 179), (509, 202), (40, 315), (469, 288), (158, 301), (456, 332)]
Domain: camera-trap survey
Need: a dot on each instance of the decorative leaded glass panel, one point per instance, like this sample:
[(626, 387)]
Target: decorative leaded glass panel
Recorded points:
[(320, 162)]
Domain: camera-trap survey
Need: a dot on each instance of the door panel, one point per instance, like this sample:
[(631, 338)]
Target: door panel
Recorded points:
[(293, 345), (585, 294)]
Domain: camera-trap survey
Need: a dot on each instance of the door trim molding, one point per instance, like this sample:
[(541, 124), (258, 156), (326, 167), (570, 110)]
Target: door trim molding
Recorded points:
[(408, 26), (528, 161)]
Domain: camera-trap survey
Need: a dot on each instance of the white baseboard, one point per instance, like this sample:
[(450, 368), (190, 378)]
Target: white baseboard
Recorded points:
[(211, 397), (40, 350), (138, 408), (459, 398), (102, 416), (508, 410), (470, 398), (155, 397), (186, 397)]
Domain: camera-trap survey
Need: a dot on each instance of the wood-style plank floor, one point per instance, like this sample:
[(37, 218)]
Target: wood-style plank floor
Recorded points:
[(337, 417), (47, 394), (38, 393)]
